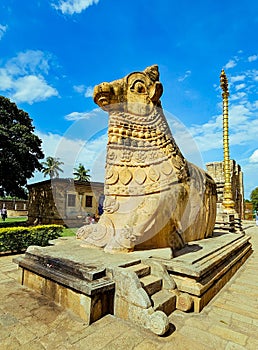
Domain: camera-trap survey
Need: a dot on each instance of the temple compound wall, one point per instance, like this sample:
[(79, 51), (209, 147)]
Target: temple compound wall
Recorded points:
[(63, 201), (15, 207), (216, 171)]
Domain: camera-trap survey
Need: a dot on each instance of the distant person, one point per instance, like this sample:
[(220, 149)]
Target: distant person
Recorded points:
[(93, 221), (256, 219), (100, 209), (101, 204), (4, 213), (87, 219)]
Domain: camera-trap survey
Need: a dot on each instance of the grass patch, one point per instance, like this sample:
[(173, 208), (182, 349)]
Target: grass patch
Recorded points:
[(15, 219), (69, 232)]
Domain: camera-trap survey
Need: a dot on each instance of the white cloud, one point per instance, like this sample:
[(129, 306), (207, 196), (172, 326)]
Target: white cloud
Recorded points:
[(32, 89), (238, 114), (240, 86), (96, 112), (184, 140), (86, 90), (79, 88), (237, 96), (252, 74), (250, 177), (6, 81), (22, 77), (254, 105), (252, 58), (185, 76), (78, 115), (73, 6), (237, 78), (254, 157), (93, 156), (89, 92), (3, 29), (72, 151), (208, 135), (57, 146), (243, 129), (230, 64), (29, 62)]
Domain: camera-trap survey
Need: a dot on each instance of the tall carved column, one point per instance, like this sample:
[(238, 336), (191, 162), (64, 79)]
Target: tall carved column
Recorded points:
[(228, 202)]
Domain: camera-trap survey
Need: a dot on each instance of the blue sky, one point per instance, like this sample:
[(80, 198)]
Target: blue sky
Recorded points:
[(54, 52)]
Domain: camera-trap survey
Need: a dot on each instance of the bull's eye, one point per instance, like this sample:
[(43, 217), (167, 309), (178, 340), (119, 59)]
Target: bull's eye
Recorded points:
[(139, 87)]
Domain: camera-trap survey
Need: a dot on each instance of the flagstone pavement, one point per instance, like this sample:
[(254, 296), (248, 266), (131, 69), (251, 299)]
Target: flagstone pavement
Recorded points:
[(29, 321)]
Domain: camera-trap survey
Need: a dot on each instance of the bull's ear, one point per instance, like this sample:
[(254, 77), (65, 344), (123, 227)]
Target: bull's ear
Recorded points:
[(152, 72), (156, 91)]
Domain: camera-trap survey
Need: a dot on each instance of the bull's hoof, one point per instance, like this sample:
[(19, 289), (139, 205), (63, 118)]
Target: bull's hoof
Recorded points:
[(97, 235)]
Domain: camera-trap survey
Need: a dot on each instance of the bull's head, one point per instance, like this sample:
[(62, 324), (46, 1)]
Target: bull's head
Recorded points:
[(137, 93)]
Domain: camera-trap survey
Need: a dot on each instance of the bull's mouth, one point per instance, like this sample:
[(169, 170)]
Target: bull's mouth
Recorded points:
[(103, 101)]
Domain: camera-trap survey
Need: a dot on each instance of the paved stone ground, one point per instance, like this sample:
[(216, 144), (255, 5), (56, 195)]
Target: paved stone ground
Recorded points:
[(30, 321)]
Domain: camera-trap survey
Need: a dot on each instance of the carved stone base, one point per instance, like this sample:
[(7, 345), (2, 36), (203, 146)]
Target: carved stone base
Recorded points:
[(203, 267), (84, 279), (143, 287), (84, 289)]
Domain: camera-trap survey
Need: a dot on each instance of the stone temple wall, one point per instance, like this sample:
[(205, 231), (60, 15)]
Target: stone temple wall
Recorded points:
[(63, 201), (216, 171)]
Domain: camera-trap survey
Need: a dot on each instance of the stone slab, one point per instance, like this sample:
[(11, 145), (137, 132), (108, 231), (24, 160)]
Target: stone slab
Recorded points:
[(70, 248), (199, 257), (201, 269), (205, 266)]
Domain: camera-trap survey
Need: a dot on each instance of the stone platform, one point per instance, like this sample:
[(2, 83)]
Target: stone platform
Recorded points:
[(143, 287), (204, 267)]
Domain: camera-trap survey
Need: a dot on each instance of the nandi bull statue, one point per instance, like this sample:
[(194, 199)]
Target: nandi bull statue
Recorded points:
[(154, 198)]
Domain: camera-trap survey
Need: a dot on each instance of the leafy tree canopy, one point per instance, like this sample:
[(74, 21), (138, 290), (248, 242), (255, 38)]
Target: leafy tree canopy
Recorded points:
[(20, 149), (254, 198), (81, 174), (51, 167)]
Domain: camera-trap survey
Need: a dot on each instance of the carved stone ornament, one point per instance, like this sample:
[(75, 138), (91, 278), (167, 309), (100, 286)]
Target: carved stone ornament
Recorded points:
[(140, 176)]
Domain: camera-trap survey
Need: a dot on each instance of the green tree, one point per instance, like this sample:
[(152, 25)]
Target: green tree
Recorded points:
[(81, 174), (254, 198), (20, 149), (51, 167)]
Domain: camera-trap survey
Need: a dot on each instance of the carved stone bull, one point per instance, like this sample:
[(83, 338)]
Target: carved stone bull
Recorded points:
[(154, 198)]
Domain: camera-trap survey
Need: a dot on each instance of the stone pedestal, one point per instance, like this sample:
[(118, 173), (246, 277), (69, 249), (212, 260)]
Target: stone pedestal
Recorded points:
[(203, 267), (143, 287), (83, 288)]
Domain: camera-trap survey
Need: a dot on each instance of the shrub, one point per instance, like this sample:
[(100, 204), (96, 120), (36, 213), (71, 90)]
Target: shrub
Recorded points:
[(18, 239), (5, 224)]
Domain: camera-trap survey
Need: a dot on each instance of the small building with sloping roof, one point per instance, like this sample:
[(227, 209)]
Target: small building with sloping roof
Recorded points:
[(64, 201)]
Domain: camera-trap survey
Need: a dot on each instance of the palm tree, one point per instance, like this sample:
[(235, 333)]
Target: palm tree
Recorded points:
[(81, 174), (51, 167)]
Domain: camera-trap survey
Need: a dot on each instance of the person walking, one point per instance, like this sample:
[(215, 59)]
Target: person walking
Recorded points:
[(4, 213)]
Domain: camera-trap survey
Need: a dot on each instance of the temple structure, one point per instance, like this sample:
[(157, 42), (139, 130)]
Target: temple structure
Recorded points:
[(216, 171), (63, 201)]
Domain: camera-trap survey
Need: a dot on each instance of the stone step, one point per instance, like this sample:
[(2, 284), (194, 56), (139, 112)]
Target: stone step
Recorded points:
[(141, 270), (164, 301), (151, 284)]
